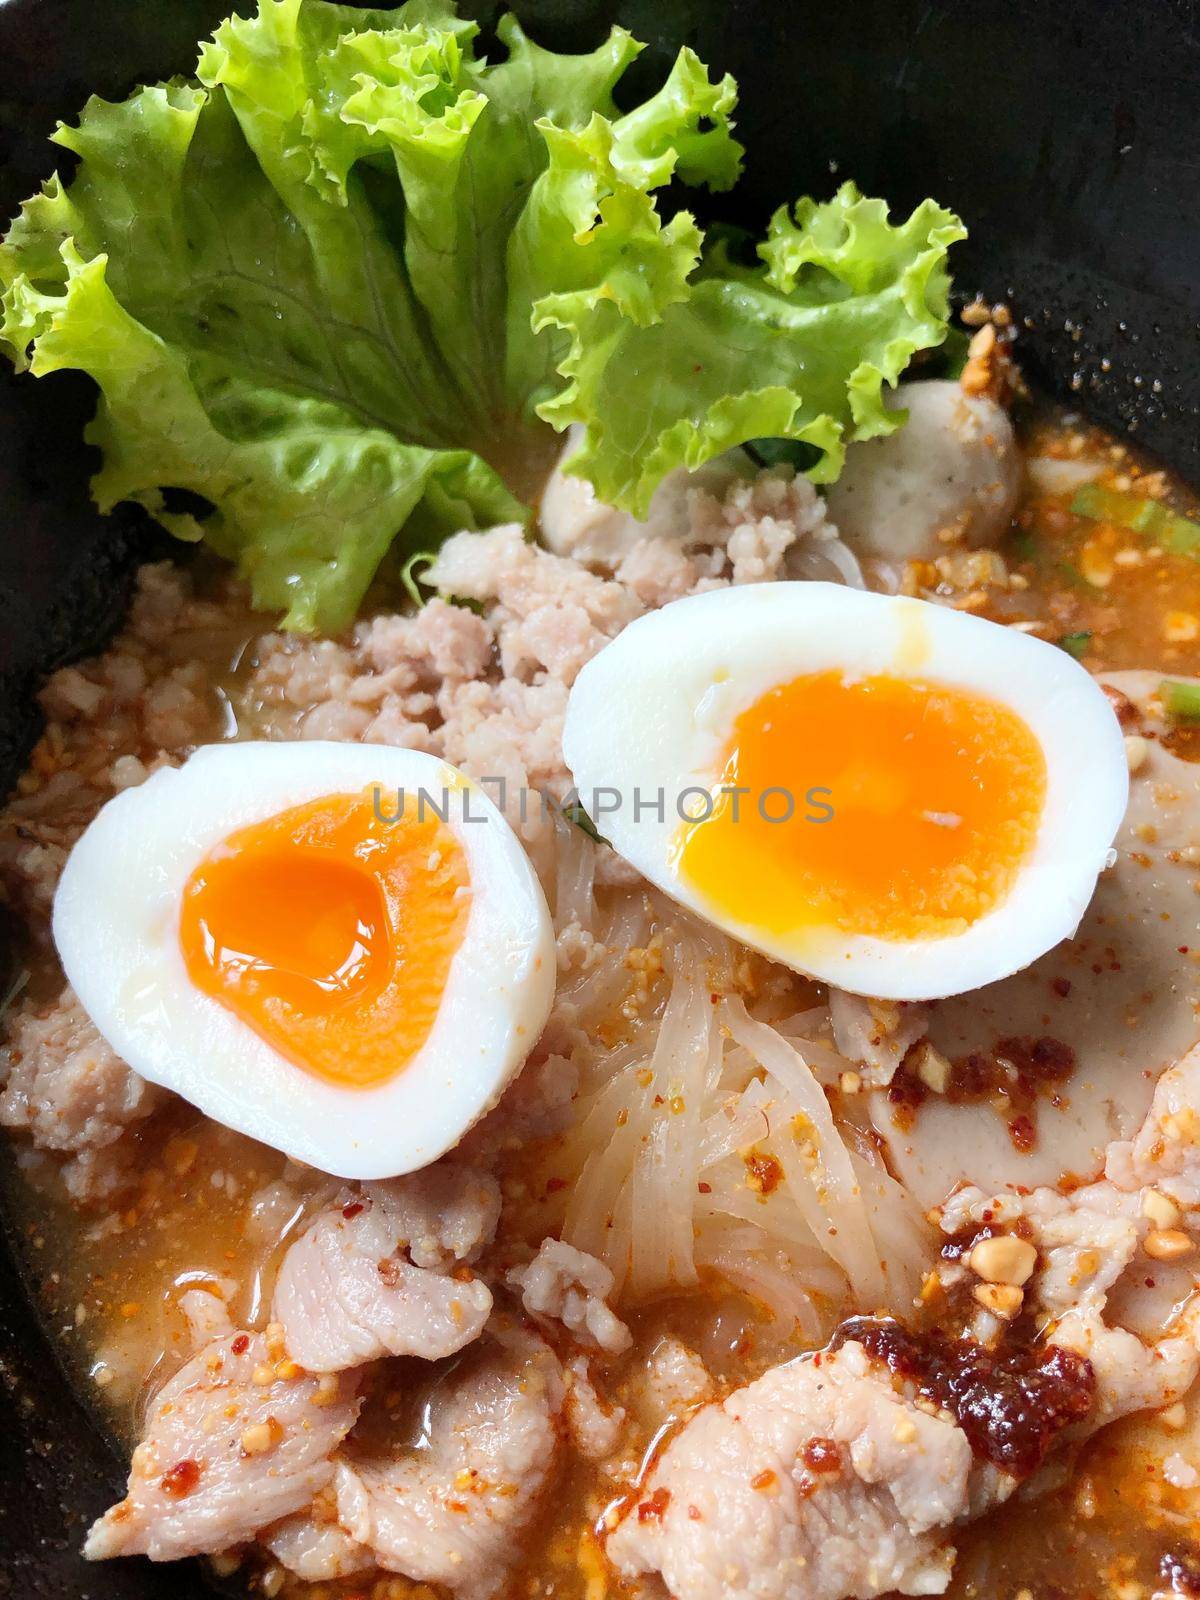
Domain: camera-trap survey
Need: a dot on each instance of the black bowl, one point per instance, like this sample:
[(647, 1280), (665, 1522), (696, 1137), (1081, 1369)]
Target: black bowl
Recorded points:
[(1065, 133)]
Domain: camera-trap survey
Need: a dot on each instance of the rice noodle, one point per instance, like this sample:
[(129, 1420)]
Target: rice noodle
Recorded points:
[(574, 876), (814, 557), (738, 1254), (833, 1180), (688, 1094)]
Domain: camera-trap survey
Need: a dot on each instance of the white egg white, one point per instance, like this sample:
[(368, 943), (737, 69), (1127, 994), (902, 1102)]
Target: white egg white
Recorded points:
[(116, 925), (656, 708)]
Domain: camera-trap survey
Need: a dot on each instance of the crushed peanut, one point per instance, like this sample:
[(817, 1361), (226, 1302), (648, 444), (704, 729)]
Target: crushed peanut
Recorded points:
[(1159, 1210), (1005, 1259), (1136, 751), (932, 1068), (1001, 1299), (1168, 1244)]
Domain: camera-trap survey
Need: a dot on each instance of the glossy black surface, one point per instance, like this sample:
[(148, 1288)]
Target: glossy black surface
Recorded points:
[(1066, 133)]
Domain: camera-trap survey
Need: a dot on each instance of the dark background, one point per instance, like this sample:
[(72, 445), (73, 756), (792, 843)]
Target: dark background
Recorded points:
[(1065, 132)]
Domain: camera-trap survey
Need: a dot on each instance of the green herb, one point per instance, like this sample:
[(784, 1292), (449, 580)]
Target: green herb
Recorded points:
[(1075, 644), (1156, 521), (323, 282), (1073, 576), (1180, 700), (576, 814)]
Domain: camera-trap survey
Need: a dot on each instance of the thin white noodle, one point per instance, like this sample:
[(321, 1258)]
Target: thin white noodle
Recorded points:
[(737, 1124), (838, 1191)]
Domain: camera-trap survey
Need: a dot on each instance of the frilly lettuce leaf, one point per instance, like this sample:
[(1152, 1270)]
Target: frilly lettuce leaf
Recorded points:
[(798, 346), (323, 283)]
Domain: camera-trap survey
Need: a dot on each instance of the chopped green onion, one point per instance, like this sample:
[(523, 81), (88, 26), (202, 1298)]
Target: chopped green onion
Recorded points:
[(1180, 700), (1075, 644), (1073, 576), (408, 577), (1158, 522), (1025, 545)]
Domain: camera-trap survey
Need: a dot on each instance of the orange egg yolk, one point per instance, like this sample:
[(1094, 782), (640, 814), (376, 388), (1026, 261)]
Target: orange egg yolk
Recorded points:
[(914, 806), (329, 929)]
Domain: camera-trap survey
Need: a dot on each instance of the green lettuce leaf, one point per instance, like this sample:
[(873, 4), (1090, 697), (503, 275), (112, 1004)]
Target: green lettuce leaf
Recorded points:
[(328, 282), (798, 346)]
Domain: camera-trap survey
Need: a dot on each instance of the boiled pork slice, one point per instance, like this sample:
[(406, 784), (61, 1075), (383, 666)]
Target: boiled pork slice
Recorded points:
[(1131, 1374), (316, 1549), (453, 1511), (1086, 1242), (877, 1034), (594, 1424), (387, 1271), (1085, 1239), (818, 1481), (1166, 1150), (565, 1285), (230, 1445)]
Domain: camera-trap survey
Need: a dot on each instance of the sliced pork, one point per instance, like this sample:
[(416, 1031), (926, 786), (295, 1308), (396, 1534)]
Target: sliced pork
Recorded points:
[(673, 1381), (235, 1441), (818, 1481), (595, 1425), (206, 1313), (453, 1511), (562, 1284), (387, 1272), (316, 1549), (1166, 1150), (875, 1033), (1086, 1242), (1131, 1374)]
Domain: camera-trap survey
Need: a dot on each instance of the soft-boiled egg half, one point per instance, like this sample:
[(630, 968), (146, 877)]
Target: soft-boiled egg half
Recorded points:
[(892, 796), (338, 949)]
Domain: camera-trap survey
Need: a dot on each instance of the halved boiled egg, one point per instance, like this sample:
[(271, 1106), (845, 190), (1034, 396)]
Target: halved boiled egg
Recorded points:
[(340, 950), (898, 798)]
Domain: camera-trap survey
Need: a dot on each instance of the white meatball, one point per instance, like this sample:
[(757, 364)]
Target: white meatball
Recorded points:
[(575, 523), (954, 466)]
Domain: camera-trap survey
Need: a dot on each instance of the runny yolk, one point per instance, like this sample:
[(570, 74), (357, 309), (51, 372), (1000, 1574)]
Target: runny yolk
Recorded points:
[(936, 794), (329, 929)]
